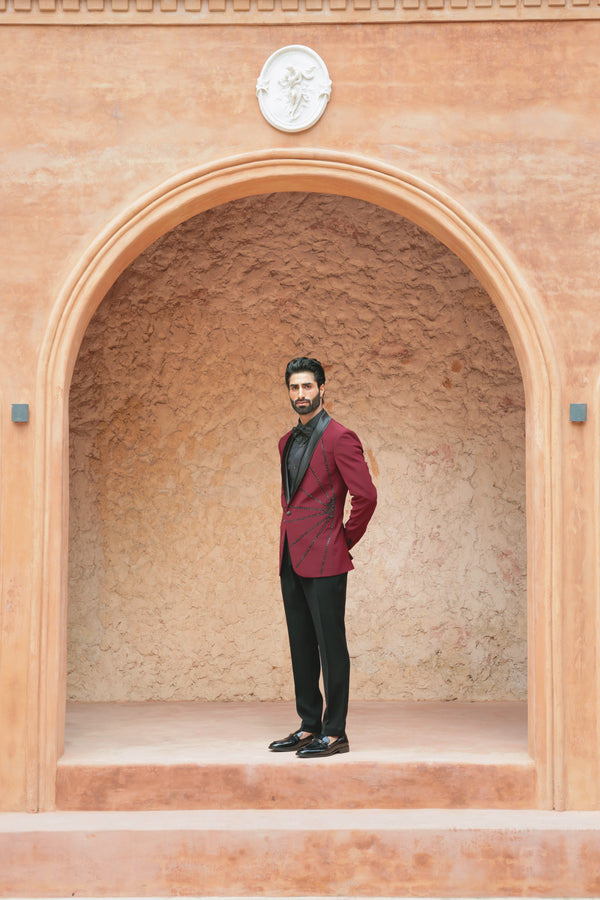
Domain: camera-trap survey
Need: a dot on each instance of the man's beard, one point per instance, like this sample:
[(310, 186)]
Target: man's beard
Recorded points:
[(306, 408)]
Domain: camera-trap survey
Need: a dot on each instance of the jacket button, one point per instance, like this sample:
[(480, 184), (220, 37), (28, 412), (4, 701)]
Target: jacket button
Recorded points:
[(288, 512)]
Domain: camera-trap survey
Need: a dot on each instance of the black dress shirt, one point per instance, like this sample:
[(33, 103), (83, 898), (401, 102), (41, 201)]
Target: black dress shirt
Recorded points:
[(301, 437)]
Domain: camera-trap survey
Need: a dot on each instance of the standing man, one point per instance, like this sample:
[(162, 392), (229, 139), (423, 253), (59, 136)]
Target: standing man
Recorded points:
[(321, 461)]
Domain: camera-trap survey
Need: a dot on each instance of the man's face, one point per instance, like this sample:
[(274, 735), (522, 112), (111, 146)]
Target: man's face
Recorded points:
[(306, 396)]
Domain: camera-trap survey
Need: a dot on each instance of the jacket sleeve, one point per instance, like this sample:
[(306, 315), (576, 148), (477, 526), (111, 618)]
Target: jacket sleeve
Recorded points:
[(350, 460)]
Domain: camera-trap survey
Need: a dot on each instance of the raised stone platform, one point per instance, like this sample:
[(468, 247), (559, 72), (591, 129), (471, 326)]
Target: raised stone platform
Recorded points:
[(184, 799), (137, 756)]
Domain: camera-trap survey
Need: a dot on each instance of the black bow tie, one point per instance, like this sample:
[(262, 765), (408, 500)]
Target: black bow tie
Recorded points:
[(302, 432)]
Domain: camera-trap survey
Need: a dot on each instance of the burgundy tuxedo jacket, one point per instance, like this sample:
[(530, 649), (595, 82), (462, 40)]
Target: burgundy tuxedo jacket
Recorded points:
[(332, 465)]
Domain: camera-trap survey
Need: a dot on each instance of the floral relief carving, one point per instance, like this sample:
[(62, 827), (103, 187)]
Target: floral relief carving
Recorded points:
[(293, 88)]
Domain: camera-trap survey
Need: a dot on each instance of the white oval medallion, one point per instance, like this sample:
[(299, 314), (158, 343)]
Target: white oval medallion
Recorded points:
[(293, 88)]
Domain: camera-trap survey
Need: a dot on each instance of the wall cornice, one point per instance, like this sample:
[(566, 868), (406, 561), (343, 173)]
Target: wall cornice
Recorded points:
[(289, 12)]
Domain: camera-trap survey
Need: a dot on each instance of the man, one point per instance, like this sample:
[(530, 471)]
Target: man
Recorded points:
[(321, 461)]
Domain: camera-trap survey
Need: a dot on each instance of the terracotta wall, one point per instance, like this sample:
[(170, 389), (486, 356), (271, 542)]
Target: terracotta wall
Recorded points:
[(498, 117), (176, 406)]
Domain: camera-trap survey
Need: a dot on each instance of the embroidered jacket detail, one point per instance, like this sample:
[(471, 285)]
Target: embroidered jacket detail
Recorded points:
[(322, 514)]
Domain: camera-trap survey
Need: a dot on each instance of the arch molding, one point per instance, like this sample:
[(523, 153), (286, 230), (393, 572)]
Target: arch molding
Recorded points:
[(187, 195)]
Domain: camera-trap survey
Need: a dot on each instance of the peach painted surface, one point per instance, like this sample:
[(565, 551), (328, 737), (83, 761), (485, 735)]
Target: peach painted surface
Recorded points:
[(501, 117)]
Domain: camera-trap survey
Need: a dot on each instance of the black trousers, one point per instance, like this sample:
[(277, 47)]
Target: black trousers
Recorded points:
[(314, 612)]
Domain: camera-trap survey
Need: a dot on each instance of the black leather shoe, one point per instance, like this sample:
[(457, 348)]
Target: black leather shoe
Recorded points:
[(292, 742), (324, 746)]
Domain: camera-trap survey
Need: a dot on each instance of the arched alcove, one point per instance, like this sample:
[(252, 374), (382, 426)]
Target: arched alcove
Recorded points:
[(176, 406), (179, 200)]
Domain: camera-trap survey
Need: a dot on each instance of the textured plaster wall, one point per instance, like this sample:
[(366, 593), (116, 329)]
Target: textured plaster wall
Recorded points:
[(177, 403)]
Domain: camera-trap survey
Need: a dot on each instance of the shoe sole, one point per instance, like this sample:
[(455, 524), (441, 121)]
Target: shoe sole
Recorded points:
[(284, 749)]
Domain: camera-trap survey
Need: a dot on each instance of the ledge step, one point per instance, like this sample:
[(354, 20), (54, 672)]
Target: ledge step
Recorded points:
[(301, 853), (336, 782)]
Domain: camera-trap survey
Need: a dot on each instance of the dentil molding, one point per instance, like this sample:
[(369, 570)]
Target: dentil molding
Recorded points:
[(273, 12)]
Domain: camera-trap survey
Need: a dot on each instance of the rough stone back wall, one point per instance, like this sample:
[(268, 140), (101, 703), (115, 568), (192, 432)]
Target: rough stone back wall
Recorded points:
[(177, 402)]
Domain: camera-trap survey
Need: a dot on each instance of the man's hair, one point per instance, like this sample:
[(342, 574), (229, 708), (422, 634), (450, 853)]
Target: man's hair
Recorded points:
[(305, 364)]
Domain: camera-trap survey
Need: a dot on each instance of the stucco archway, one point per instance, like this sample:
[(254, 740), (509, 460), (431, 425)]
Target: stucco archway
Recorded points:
[(192, 193)]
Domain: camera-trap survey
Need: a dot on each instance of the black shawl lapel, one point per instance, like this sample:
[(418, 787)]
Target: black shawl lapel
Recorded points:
[(290, 489), (285, 479)]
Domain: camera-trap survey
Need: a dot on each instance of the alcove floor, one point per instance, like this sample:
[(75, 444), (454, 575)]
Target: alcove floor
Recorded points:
[(128, 756)]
